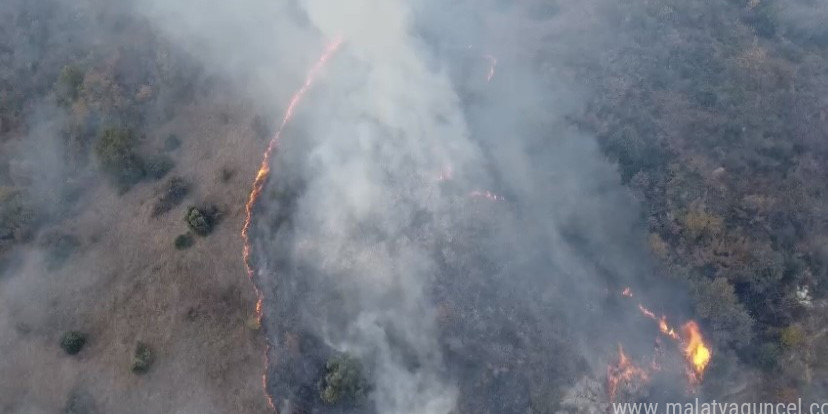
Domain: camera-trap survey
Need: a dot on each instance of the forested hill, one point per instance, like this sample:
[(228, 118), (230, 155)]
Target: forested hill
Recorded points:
[(716, 114)]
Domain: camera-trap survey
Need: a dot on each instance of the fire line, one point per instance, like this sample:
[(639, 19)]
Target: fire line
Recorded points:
[(261, 179)]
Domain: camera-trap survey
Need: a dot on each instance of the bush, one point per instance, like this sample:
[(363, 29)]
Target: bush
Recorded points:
[(72, 342), (184, 241), (767, 356), (172, 143), (79, 403), (173, 195), (59, 247), (142, 359), (717, 303), (343, 381), (115, 149), (792, 337), (226, 174), (201, 221), (16, 217), (69, 84), (157, 167)]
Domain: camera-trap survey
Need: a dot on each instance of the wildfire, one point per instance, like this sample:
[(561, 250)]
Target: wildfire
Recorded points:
[(624, 372), (696, 352), (663, 326), (264, 169), (666, 329), (690, 341), (261, 178)]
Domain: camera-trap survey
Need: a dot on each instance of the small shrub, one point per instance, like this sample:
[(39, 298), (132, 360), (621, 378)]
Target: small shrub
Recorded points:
[(173, 195), (698, 223), (72, 342), (172, 143), (59, 247), (142, 359), (343, 381), (157, 167), (115, 149), (767, 356), (16, 217), (226, 174), (184, 241), (792, 336), (79, 403), (69, 84), (201, 221)]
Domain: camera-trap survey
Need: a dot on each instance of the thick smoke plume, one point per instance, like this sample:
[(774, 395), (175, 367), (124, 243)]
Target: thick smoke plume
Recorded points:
[(432, 210), (361, 247)]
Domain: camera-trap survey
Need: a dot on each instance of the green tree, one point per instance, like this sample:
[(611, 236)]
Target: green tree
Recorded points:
[(115, 149), (716, 302), (142, 359), (343, 380), (72, 342), (201, 222), (69, 84)]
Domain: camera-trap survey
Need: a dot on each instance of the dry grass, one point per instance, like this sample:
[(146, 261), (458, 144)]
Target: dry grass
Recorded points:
[(129, 284)]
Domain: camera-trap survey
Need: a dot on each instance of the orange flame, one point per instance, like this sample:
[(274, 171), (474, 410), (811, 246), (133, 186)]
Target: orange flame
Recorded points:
[(695, 350), (691, 343), (623, 372), (259, 183), (666, 329)]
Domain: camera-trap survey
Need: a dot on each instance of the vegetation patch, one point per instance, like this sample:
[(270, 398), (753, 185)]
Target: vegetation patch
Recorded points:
[(202, 220), (72, 342), (16, 217), (157, 167), (142, 359), (59, 247), (174, 193), (172, 143), (118, 158), (184, 241), (69, 84), (343, 381), (80, 403)]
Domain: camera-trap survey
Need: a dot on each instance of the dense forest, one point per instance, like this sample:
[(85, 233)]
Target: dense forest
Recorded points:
[(713, 112)]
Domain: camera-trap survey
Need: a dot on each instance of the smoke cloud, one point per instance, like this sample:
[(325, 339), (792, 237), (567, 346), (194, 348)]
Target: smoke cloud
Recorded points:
[(366, 247), (431, 212)]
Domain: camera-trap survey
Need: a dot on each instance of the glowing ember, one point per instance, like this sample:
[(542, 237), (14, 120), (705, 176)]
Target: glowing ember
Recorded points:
[(446, 174), (624, 372), (658, 356), (486, 195), (261, 178), (648, 313), (492, 65), (697, 353)]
